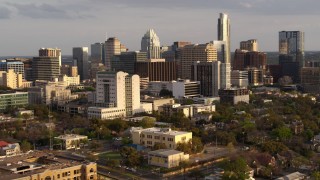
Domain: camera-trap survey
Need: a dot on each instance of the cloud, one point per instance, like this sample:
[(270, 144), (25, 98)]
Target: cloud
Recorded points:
[(4, 13), (47, 11)]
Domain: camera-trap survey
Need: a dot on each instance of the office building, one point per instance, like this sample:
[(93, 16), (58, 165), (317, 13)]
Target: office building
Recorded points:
[(112, 47), (239, 78), (224, 34), (126, 61), (185, 88), (249, 45), (291, 46), (310, 79), (17, 99), (249, 59), (17, 66), (150, 136), (43, 166), (193, 53), (212, 76), (117, 95), (156, 70), (167, 158), (150, 44), (97, 53), (45, 68), (51, 52), (255, 76), (234, 95), (80, 55)]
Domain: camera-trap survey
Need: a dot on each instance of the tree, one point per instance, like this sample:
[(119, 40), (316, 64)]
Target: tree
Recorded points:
[(235, 169), (131, 156), (117, 125), (316, 175), (25, 146), (159, 145), (283, 133), (196, 146), (165, 93), (230, 147), (273, 147), (147, 122)]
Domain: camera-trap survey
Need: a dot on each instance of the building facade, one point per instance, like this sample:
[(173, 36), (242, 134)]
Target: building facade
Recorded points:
[(51, 52), (17, 66), (234, 95), (167, 158), (150, 136), (193, 53), (17, 99), (97, 52), (224, 34), (45, 68), (80, 55), (112, 47), (156, 70), (249, 45), (150, 44)]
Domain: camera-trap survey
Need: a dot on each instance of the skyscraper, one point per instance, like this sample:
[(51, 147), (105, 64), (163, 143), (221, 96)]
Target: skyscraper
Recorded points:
[(45, 68), (112, 47), (250, 45), (51, 52), (97, 52), (150, 43), (192, 53), (80, 54), (224, 33), (291, 46)]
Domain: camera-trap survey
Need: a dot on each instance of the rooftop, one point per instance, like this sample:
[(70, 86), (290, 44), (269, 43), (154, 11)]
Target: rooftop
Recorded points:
[(165, 152), (167, 131), (71, 136)]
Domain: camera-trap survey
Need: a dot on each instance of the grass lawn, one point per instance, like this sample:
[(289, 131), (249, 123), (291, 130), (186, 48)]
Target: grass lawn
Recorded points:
[(110, 156)]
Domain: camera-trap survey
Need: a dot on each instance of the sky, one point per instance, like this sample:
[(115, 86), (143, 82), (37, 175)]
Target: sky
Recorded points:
[(27, 25)]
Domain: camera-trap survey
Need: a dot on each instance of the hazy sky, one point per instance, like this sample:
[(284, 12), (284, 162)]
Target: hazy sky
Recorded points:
[(27, 25)]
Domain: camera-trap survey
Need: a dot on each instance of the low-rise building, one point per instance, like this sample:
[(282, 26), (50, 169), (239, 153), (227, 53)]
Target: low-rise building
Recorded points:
[(294, 176), (150, 136), (187, 110), (71, 141), (42, 166), (157, 102), (167, 158), (9, 149), (16, 99), (234, 95)]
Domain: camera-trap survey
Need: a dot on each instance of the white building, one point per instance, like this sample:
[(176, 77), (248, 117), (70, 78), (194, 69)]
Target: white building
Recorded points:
[(71, 141), (70, 80), (9, 149), (117, 95)]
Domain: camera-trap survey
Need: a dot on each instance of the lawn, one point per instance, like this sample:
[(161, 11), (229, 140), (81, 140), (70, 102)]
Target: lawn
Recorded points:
[(110, 156)]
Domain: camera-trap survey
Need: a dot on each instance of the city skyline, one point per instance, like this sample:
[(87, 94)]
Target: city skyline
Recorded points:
[(34, 24)]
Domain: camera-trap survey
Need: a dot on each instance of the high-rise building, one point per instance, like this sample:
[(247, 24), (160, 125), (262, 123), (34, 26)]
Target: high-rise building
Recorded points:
[(150, 44), (11, 79), (224, 33), (157, 70), (118, 95), (17, 66), (112, 47), (249, 59), (250, 45), (97, 52), (291, 43), (193, 53), (126, 61), (80, 55), (239, 78), (211, 76), (45, 68), (51, 52)]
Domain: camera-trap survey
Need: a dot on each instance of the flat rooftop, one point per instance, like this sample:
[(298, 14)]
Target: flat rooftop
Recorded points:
[(163, 131), (165, 152)]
